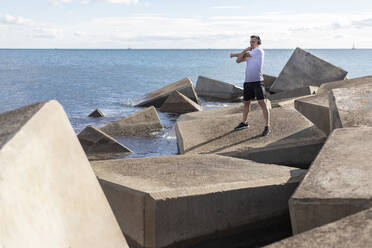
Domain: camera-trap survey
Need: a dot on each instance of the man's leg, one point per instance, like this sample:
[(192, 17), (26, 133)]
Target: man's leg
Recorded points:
[(247, 105), (265, 111)]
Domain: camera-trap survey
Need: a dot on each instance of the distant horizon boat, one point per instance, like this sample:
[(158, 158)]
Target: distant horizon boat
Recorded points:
[(353, 48)]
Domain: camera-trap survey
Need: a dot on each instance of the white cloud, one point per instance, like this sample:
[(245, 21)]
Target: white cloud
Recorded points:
[(16, 20), (226, 7), (127, 2)]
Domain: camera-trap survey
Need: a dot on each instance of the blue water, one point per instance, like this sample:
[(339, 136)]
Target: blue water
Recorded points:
[(82, 80)]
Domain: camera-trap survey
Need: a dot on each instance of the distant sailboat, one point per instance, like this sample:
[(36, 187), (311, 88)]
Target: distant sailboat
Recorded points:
[(353, 48)]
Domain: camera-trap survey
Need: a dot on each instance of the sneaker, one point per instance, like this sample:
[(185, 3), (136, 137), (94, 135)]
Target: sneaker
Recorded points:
[(241, 126), (266, 131)]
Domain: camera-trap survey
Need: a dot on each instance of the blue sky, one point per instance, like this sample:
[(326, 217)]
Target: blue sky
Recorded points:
[(184, 24)]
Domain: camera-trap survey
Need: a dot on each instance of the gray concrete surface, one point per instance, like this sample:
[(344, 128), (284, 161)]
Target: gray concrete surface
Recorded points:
[(316, 108), (157, 97), (308, 90), (216, 134), (299, 153), (350, 107), (268, 81), (97, 113), (338, 183), (98, 145), (49, 195), (162, 200), (141, 123), (304, 69), (207, 87), (180, 104), (351, 231)]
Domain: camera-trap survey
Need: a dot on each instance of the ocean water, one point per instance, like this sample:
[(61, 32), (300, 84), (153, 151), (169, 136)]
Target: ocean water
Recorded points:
[(83, 80)]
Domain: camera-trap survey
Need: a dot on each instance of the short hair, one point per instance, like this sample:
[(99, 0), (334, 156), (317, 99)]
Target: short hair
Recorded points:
[(258, 39)]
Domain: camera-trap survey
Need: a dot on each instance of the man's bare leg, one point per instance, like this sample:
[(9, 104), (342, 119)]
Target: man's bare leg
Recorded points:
[(265, 111), (247, 105)]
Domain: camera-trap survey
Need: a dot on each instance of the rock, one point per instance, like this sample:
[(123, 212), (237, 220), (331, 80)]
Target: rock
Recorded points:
[(180, 104), (352, 231), (350, 107), (221, 111), (338, 183), (316, 108), (50, 196), (309, 90), (304, 69), (268, 81), (141, 123), (211, 88), (96, 114), (157, 97), (300, 153), (160, 201), (215, 134), (98, 145)]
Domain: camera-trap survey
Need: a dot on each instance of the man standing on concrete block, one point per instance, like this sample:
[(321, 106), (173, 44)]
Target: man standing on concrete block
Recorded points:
[(253, 84)]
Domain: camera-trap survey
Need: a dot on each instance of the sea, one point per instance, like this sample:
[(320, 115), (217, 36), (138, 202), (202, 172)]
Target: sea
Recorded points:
[(82, 80)]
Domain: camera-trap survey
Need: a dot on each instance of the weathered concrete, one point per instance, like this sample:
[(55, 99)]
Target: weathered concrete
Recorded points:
[(180, 104), (216, 134), (162, 200), (352, 231), (300, 153), (350, 107), (157, 97), (49, 195), (316, 108), (338, 183), (221, 111), (96, 114), (141, 123), (212, 88), (309, 90), (98, 145), (268, 81), (304, 69)]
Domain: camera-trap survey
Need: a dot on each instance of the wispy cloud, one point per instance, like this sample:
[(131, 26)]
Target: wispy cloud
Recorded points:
[(366, 23), (16, 20), (126, 2), (226, 7)]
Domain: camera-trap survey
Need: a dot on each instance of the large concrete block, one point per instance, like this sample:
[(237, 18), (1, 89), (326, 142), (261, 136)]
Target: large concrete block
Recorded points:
[(221, 111), (351, 231), (300, 153), (216, 134), (338, 183), (141, 123), (157, 97), (49, 195), (180, 104), (316, 108), (97, 113), (208, 87), (98, 145), (309, 90), (304, 69), (268, 81), (161, 201), (350, 107)]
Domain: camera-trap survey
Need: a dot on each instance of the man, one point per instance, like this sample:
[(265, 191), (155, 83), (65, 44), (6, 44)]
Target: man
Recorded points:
[(253, 84)]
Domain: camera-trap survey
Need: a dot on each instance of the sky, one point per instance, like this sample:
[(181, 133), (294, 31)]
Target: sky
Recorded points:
[(191, 24)]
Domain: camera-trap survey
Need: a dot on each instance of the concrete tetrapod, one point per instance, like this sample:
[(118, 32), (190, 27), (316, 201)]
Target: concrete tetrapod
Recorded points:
[(212, 88), (97, 113), (141, 123), (339, 182), (49, 195), (98, 145), (350, 107), (268, 81), (309, 90), (316, 108), (157, 97), (304, 69), (216, 134), (179, 103), (351, 231), (162, 201)]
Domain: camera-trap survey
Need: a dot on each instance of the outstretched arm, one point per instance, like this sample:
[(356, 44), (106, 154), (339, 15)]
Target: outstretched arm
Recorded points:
[(242, 56)]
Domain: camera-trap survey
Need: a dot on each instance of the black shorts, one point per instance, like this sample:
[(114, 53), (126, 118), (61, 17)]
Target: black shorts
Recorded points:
[(254, 90)]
